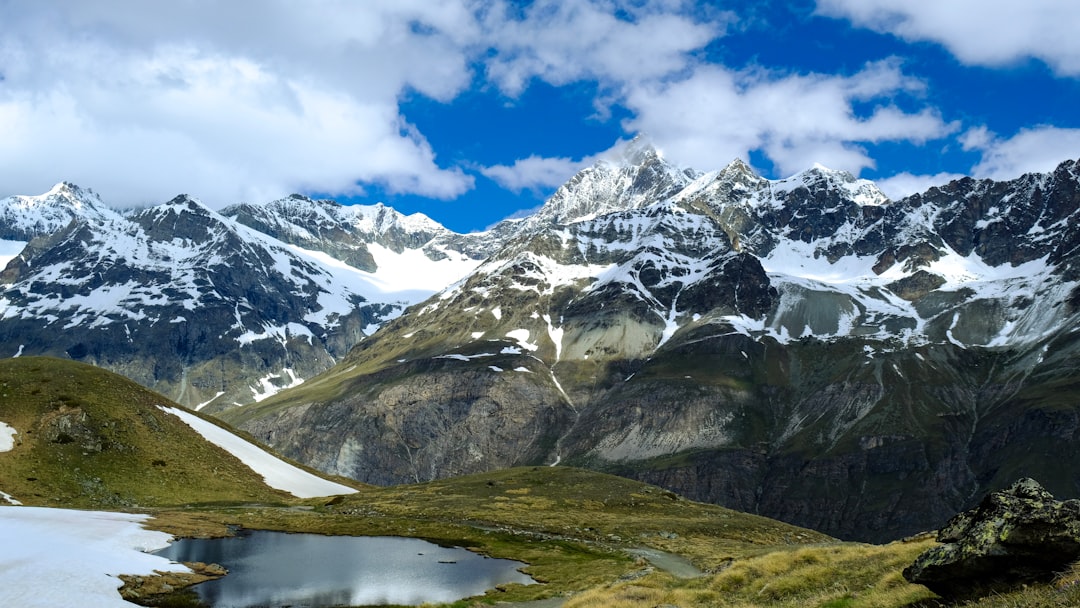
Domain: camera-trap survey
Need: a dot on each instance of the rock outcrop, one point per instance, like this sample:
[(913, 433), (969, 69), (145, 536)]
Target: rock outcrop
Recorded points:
[(1013, 537)]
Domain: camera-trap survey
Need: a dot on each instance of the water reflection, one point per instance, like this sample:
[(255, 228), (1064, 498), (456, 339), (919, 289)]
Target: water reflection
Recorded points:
[(278, 569)]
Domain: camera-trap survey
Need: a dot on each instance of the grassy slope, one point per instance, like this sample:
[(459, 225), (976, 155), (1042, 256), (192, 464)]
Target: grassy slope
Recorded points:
[(573, 528), (88, 438)]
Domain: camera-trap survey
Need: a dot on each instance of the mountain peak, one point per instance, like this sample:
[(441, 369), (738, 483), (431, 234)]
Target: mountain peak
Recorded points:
[(820, 178), (24, 217), (737, 168), (638, 152), (634, 176)]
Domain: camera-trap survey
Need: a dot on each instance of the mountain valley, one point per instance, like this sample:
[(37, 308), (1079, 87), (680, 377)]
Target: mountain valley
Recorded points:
[(804, 348)]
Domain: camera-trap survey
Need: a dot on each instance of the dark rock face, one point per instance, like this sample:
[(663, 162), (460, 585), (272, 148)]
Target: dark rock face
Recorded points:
[(179, 299), (802, 349), (1013, 537)]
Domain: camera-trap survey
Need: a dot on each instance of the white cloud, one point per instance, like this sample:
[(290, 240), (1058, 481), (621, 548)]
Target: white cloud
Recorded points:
[(226, 102), (248, 100), (982, 32), (535, 172), (1036, 150), (562, 41), (716, 114), (906, 184)]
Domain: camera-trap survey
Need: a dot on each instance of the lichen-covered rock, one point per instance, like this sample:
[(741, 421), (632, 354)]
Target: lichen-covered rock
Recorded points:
[(1013, 537)]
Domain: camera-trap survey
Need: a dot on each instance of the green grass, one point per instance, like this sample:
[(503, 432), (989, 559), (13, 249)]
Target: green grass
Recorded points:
[(89, 438), (572, 527)]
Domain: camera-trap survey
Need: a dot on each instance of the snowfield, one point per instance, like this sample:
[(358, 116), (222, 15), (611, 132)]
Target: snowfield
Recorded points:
[(277, 473), (61, 557), (7, 437)]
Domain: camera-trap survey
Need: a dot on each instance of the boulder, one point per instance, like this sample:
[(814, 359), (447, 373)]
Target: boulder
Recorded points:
[(1011, 538)]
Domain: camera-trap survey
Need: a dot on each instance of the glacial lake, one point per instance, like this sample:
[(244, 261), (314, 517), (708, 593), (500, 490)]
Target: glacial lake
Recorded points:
[(281, 569)]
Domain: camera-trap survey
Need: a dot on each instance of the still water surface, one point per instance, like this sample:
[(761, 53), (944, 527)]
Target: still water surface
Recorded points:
[(279, 569)]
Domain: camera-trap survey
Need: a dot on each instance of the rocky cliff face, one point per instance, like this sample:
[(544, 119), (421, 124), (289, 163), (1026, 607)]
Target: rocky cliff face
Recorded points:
[(214, 311), (350, 233), (801, 348)]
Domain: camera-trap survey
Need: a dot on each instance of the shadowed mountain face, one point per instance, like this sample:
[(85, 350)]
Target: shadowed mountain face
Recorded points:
[(202, 307), (804, 348)]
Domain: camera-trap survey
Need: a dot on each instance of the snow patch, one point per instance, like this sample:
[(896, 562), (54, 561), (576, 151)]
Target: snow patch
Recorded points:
[(458, 357), (7, 437), (269, 389), (277, 473), (209, 401), (521, 336), (8, 498), (62, 557), (556, 336)]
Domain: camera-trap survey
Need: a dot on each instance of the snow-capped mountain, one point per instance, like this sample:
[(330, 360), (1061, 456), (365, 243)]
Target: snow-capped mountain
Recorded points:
[(361, 235), (24, 217), (803, 348), (189, 302)]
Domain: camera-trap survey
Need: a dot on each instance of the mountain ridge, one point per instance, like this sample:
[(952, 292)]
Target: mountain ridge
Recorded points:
[(801, 348), (747, 330)]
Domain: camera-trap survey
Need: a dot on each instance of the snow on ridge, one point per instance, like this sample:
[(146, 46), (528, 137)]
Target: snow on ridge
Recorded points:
[(277, 473)]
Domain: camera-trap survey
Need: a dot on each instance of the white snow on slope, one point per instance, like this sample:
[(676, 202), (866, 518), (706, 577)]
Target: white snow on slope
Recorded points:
[(7, 437), (408, 277), (277, 473), (60, 557)]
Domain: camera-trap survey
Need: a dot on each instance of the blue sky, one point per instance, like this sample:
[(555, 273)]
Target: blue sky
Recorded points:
[(471, 111)]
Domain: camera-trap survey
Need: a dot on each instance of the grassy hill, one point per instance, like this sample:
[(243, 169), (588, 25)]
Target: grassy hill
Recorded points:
[(89, 438)]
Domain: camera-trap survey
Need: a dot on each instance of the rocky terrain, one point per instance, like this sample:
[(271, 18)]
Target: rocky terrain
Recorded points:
[(199, 306), (803, 348)]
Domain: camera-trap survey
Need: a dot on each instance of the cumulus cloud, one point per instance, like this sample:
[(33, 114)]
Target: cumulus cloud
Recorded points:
[(227, 102), (906, 184), (535, 172), (562, 41), (716, 114), (1035, 150), (248, 100), (981, 32)]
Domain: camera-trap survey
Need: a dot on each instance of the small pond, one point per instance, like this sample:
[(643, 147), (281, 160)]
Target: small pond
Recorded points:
[(279, 569)]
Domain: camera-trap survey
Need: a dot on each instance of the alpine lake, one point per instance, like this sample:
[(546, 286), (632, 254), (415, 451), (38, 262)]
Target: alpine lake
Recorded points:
[(286, 569)]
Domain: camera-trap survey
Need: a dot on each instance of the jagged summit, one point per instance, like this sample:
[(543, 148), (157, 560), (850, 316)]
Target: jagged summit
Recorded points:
[(703, 331), (821, 178), (638, 151), (637, 176), (25, 217)]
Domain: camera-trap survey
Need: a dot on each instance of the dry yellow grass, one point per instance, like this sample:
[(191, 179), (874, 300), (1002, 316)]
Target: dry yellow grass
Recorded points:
[(840, 575)]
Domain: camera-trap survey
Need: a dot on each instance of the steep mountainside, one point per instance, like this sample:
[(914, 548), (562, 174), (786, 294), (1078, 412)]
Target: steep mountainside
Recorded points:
[(82, 437), (189, 302), (801, 348), (357, 234)]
